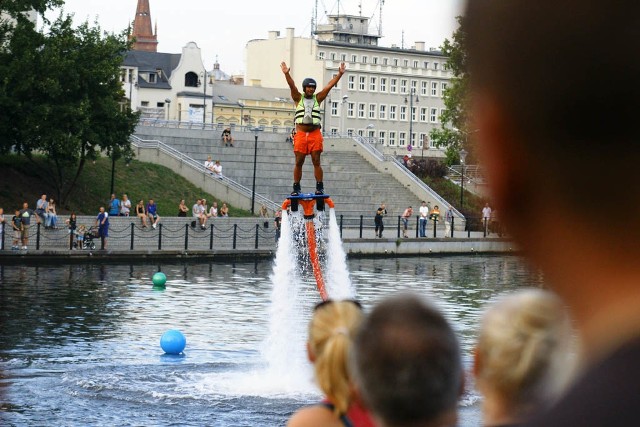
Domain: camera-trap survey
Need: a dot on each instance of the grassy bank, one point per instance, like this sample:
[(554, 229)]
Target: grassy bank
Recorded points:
[(22, 180)]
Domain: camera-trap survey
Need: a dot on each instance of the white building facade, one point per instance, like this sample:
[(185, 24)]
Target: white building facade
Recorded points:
[(390, 94)]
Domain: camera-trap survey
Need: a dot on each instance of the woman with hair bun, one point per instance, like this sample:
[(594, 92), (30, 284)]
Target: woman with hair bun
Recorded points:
[(331, 331), (522, 358)]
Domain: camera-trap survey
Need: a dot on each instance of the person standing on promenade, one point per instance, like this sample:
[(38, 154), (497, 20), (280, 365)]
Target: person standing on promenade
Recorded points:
[(531, 127), (27, 213), (379, 220), (308, 138), (114, 206), (486, 217), (448, 220), (102, 222), (424, 217), (406, 364), (406, 216)]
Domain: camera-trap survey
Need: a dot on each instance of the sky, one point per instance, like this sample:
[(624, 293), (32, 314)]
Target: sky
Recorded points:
[(222, 28)]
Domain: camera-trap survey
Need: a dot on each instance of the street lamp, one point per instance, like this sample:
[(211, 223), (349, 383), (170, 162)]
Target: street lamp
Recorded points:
[(256, 130), (342, 113), (168, 102), (410, 101), (131, 83), (203, 77), (241, 114), (463, 155)]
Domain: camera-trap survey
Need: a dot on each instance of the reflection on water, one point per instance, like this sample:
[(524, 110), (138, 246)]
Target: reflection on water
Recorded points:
[(80, 343)]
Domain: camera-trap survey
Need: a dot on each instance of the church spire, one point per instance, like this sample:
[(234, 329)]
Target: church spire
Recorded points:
[(145, 39)]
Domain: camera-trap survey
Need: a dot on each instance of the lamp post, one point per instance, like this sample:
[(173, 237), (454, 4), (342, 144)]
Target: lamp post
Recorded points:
[(241, 114), (168, 102), (131, 83), (342, 113), (463, 155), (410, 101), (255, 159), (203, 76)]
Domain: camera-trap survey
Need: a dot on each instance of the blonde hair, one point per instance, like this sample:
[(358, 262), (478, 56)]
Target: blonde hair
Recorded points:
[(523, 349), (331, 331)]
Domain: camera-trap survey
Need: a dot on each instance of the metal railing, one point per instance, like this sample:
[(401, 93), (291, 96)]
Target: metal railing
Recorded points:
[(192, 163)]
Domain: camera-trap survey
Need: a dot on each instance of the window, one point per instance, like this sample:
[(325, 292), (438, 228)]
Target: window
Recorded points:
[(415, 64), (334, 108), (414, 86), (424, 88), (394, 85), (191, 79), (413, 113), (160, 104), (320, 55), (426, 64), (383, 84), (392, 112), (361, 108), (152, 77), (395, 62), (412, 139), (374, 60), (385, 61), (382, 112), (351, 109), (435, 66), (423, 114), (392, 138), (403, 112), (334, 131), (405, 62), (403, 86), (372, 111), (422, 139), (343, 57), (381, 135), (373, 83), (333, 56), (352, 82), (144, 104), (443, 87), (354, 58), (402, 139), (362, 83), (364, 59), (434, 88), (349, 132), (433, 117)]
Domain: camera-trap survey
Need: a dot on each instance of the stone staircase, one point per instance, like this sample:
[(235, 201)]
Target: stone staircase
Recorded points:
[(356, 185)]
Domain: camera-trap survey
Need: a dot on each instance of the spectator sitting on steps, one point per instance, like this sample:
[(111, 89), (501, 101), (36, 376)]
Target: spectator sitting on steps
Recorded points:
[(227, 138)]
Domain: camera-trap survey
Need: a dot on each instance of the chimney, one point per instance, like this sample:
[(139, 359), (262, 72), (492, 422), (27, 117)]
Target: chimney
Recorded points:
[(274, 35), (290, 32), (420, 46)]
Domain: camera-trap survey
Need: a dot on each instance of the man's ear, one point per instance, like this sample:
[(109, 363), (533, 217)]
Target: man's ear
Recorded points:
[(495, 147)]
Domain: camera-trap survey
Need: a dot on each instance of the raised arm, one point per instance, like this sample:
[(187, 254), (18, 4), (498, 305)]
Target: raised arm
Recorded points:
[(320, 96), (295, 93)]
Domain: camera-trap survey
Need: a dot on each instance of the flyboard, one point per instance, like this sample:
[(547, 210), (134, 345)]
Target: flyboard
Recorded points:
[(311, 204)]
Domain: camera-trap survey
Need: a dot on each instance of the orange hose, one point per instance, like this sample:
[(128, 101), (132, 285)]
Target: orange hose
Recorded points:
[(315, 263)]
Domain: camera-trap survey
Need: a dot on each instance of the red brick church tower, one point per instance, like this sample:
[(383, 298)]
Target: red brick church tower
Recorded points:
[(146, 40)]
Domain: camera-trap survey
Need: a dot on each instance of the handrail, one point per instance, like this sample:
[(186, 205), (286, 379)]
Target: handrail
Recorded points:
[(189, 161), (365, 142)]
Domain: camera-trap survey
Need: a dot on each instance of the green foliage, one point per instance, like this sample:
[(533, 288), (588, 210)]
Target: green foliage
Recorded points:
[(138, 180), (454, 131), (61, 96)]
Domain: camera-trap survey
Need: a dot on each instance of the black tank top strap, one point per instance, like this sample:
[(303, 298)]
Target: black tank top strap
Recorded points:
[(343, 417)]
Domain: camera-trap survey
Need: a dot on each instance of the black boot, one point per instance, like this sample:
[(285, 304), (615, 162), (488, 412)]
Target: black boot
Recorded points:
[(296, 189), (319, 187)]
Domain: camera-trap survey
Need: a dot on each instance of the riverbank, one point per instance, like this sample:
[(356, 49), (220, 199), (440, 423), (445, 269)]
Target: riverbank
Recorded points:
[(354, 248)]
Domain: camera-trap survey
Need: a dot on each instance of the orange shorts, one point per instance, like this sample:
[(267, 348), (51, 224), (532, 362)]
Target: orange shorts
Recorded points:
[(306, 142)]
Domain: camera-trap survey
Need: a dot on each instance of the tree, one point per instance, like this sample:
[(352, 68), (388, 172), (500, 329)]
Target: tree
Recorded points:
[(454, 130), (64, 99)]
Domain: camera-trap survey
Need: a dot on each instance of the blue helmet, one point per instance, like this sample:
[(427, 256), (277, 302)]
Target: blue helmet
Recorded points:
[(308, 82)]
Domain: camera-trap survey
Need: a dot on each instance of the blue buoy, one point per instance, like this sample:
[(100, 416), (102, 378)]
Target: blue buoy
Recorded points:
[(159, 279), (173, 342)]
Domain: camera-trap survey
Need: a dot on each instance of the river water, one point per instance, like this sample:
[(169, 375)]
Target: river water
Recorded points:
[(80, 343)]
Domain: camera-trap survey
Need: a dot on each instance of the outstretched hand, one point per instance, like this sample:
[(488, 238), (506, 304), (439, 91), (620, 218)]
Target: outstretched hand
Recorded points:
[(284, 67), (341, 69)]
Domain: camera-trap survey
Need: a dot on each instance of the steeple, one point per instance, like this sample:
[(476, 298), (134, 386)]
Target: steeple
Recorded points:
[(146, 40)]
